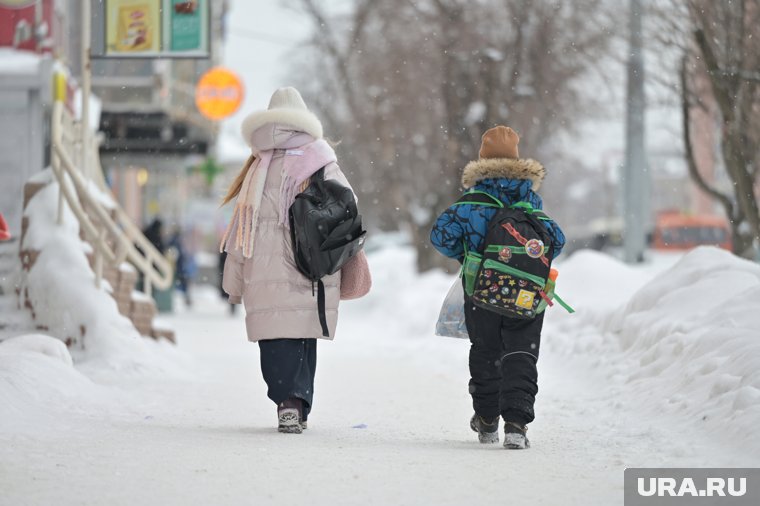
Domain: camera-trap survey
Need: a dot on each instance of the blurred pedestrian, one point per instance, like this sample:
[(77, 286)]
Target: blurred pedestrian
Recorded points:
[(182, 265), (154, 232)]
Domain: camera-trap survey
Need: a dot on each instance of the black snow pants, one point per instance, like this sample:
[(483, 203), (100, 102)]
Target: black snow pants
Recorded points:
[(288, 367), (503, 356)]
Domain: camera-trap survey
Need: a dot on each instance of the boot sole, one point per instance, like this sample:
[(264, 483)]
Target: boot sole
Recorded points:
[(488, 437), (288, 423), (290, 429), (516, 442), (485, 437)]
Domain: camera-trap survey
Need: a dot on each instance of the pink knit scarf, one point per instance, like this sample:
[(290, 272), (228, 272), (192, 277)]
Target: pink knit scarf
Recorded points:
[(298, 165)]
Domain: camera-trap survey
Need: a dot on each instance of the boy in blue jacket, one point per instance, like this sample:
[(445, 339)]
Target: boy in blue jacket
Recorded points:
[(504, 351)]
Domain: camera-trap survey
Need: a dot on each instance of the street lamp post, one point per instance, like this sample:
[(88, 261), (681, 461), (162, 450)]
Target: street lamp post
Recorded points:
[(635, 172)]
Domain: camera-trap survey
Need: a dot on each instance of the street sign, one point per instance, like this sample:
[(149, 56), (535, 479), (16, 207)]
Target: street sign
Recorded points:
[(219, 93)]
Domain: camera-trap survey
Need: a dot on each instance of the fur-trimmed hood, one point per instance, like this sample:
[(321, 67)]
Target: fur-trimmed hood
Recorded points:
[(285, 108), (497, 168)]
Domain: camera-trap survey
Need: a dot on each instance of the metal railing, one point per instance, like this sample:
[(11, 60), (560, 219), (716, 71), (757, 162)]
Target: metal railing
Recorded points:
[(105, 225)]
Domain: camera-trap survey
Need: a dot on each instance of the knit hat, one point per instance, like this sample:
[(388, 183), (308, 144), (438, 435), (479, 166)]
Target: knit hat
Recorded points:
[(499, 142), (286, 107), (287, 98)]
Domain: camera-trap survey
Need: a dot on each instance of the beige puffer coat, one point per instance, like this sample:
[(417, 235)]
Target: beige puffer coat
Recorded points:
[(278, 299)]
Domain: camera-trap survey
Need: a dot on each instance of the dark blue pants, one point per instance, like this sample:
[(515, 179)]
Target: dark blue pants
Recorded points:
[(288, 366), (503, 357)]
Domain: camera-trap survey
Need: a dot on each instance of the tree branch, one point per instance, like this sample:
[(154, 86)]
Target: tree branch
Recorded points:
[(720, 92), (331, 46), (691, 162)]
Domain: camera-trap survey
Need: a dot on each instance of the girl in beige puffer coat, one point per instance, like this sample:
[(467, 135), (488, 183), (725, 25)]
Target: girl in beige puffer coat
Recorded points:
[(260, 272)]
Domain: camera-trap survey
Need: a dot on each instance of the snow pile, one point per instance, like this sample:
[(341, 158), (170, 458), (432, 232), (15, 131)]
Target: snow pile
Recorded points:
[(36, 375), (62, 275), (693, 336), (66, 301), (685, 341)]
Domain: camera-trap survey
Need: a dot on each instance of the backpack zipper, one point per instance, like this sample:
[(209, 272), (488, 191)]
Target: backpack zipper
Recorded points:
[(498, 266)]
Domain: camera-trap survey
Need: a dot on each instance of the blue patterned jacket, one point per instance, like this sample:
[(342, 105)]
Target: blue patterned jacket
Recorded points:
[(510, 181)]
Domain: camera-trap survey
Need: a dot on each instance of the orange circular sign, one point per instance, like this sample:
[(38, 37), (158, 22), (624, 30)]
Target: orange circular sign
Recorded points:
[(219, 93)]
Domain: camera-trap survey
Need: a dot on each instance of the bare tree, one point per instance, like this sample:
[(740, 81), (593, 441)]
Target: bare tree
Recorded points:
[(720, 75), (410, 85)]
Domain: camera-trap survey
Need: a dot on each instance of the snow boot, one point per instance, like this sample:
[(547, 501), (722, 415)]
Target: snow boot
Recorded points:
[(488, 430), (289, 416), (514, 436)]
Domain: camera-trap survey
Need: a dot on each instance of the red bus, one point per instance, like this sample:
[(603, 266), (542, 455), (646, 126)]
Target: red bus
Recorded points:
[(677, 231)]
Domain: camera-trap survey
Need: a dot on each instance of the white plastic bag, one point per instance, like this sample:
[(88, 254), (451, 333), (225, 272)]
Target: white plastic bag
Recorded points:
[(451, 318)]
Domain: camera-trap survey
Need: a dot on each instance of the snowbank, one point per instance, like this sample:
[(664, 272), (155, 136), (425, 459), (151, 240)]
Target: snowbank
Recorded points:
[(686, 341), (693, 337), (66, 301), (37, 376), (61, 282)]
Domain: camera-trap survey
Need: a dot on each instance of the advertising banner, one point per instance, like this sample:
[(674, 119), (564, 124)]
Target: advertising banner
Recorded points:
[(133, 27), (156, 28), (186, 24)]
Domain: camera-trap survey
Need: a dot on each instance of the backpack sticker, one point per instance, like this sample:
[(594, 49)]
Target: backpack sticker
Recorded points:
[(534, 248), (525, 299), (505, 254)]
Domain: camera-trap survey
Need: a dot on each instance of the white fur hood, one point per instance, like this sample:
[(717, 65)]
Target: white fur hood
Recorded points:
[(286, 108)]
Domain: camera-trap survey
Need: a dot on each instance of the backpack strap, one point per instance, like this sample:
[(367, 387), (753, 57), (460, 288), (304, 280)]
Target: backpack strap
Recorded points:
[(564, 304), (318, 178), (522, 240), (321, 307), (528, 208), (479, 198)]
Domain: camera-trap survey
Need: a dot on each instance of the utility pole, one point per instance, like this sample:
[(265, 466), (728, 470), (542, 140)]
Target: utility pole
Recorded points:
[(635, 186)]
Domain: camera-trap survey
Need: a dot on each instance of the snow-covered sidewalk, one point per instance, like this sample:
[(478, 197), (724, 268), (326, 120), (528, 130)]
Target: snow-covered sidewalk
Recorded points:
[(390, 421)]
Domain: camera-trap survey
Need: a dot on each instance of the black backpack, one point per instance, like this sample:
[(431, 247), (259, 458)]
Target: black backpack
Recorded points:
[(326, 230), (509, 275)]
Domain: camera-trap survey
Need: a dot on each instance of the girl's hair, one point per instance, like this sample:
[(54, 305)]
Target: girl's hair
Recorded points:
[(237, 184)]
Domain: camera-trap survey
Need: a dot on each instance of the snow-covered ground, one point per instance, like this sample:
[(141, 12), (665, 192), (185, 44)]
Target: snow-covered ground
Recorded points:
[(660, 367)]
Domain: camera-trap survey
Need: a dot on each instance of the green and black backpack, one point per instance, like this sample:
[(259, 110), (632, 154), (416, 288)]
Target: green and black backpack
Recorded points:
[(510, 276)]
